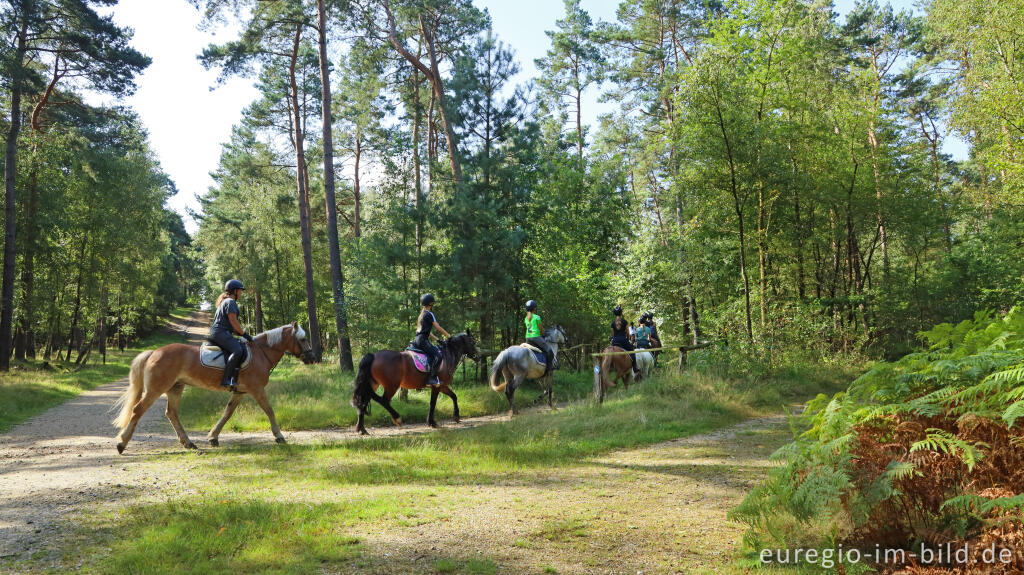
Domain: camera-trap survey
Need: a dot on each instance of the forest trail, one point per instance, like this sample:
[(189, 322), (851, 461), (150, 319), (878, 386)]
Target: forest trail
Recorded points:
[(55, 460), (63, 461)]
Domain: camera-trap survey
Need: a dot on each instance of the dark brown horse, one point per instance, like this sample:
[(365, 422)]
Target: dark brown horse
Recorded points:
[(169, 369), (611, 369), (395, 369)]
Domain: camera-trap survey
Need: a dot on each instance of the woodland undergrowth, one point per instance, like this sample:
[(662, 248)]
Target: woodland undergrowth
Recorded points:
[(916, 454)]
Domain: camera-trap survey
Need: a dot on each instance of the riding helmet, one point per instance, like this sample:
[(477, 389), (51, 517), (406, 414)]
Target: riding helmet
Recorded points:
[(427, 299), (531, 305), (232, 285), (617, 310)]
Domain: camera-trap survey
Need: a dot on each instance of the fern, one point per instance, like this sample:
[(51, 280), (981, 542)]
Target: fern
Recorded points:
[(945, 442)]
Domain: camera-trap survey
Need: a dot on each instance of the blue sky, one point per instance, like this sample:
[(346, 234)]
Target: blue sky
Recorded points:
[(188, 121)]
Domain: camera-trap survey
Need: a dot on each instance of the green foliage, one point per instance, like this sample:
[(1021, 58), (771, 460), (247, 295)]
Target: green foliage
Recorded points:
[(932, 431)]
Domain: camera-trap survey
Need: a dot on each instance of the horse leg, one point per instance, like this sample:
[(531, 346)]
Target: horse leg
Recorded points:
[(260, 395), (173, 403), (229, 410), (455, 402), (510, 391), (550, 388), (385, 400), (433, 402), (145, 402), (360, 426)]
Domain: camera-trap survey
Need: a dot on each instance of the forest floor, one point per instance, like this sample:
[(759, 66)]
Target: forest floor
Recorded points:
[(656, 509)]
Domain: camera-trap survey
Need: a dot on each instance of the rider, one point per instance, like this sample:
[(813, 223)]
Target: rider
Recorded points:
[(427, 323), (643, 333), (225, 325), (535, 334), (620, 336), (655, 339)]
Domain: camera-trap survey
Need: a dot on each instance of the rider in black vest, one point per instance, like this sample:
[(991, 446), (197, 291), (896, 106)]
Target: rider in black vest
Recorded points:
[(426, 323), (620, 336), (225, 325)]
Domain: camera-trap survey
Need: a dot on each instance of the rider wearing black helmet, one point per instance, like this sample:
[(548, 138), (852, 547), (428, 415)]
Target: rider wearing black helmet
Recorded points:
[(620, 335), (427, 323), (535, 334), (225, 325)]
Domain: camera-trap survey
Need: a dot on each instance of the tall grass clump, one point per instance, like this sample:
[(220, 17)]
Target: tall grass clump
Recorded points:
[(915, 454)]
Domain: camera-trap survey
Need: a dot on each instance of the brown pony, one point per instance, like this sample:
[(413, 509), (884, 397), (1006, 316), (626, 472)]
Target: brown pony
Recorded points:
[(395, 369), (167, 370), (619, 365)]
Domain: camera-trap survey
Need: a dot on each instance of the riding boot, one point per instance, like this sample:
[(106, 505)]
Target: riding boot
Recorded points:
[(230, 379), (551, 362), (632, 358), (432, 378)]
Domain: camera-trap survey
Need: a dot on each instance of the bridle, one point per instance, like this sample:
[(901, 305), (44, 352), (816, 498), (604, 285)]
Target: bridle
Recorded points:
[(305, 349)]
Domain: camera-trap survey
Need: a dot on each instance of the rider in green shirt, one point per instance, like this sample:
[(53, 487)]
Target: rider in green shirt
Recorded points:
[(535, 334)]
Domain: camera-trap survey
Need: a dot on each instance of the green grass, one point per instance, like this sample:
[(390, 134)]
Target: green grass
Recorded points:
[(31, 387), (298, 508), (318, 396)]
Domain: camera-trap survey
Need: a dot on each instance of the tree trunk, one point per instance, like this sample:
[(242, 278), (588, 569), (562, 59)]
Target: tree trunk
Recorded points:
[(355, 183), (417, 177), (259, 310), (10, 204), (442, 105), (337, 273), (737, 205), (304, 225)]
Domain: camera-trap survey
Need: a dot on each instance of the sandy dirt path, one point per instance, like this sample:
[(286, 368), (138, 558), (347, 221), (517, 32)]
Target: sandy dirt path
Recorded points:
[(53, 464), (57, 460)]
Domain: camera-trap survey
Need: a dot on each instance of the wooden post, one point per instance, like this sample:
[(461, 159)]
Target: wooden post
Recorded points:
[(682, 359)]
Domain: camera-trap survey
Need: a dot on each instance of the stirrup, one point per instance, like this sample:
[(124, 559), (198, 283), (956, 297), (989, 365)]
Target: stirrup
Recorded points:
[(433, 381)]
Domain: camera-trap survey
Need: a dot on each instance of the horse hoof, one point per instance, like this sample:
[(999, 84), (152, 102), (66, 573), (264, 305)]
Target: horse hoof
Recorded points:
[(120, 448), (397, 421), (190, 445), (456, 420), (214, 442), (433, 424), (280, 440), (363, 432)]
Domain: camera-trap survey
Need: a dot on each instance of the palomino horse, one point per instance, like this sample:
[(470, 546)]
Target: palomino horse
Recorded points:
[(395, 369), (611, 370), (517, 364), (169, 369)]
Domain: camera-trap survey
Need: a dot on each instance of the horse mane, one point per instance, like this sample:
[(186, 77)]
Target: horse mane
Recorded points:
[(447, 351), (273, 336)]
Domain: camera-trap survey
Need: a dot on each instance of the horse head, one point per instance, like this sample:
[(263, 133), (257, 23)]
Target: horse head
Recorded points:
[(464, 344), (556, 335), (299, 345)]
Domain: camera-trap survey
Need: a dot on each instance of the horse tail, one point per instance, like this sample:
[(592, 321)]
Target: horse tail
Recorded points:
[(499, 364), (607, 362), (132, 393), (364, 383)]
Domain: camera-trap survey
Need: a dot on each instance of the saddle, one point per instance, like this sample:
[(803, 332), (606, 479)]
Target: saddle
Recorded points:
[(419, 359), (214, 357), (537, 353)]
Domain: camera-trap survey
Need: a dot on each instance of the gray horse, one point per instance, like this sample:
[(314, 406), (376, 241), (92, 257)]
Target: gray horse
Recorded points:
[(517, 364)]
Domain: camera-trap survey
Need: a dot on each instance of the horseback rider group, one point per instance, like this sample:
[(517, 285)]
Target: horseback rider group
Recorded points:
[(226, 325)]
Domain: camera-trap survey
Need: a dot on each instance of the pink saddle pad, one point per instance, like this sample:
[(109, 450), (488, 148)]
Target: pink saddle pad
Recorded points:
[(420, 361)]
